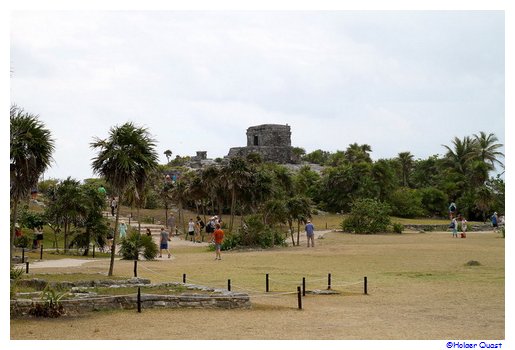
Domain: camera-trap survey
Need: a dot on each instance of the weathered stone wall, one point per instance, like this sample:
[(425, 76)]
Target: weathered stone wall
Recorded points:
[(82, 300), (271, 141), (269, 154), (271, 135)]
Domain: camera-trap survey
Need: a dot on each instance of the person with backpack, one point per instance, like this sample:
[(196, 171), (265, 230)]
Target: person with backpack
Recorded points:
[(201, 227), (210, 227), (452, 210)]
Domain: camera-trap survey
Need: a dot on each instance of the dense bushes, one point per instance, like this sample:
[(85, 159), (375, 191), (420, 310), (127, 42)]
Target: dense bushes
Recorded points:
[(367, 216), (406, 203), (254, 233)]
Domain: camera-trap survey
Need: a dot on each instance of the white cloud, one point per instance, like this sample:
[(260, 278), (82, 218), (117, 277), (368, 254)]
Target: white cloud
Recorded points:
[(198, 80)]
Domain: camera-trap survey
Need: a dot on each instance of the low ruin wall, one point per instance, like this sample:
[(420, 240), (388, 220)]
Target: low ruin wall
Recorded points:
[(84, 302)]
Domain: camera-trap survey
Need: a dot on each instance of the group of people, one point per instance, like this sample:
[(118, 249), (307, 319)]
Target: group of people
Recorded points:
[(496, 221), (213, 227)]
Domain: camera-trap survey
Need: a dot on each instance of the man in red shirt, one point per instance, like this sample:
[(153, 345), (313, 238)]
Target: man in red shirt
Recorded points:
[(218, 236)]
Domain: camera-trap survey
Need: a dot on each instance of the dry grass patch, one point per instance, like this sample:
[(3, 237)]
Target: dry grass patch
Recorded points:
[(419, 288)]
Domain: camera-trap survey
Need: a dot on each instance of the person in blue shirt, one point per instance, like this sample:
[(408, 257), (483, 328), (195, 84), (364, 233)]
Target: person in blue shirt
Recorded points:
[(310, 233), (494, 221)]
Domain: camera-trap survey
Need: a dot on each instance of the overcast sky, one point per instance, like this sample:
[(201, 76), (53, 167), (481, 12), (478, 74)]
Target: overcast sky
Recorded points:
[(398, 81)]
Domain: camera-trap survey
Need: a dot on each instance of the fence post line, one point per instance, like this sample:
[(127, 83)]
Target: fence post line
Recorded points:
[(365, 285), (229, 285), (303, 286), (27, 267), (183, 278), (299, 298), (267, 284), (93, 250), (328, 281), (23, 255), (41, 253), (135, 268), (139, 299)]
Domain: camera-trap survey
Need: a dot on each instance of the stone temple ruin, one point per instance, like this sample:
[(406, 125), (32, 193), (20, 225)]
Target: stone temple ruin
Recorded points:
[(271, 141)]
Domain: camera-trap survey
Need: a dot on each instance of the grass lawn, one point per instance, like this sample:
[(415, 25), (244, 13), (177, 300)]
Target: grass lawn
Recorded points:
[(419, 287)]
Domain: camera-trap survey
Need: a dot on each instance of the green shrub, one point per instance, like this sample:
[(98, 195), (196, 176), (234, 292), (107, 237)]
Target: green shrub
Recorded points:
[(135, 244), (406, 203), (51, 306), (22, 242), (397, 227), (367, 216), (16, 273)]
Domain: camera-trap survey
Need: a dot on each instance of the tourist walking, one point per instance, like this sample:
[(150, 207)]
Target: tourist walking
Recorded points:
[(454, 227), (310, 233), (463, 227), (113, 204), (218, 237), (452, 210), (149, 233), (494, 221), (191, 230), (122, 230), (201, 225), (163, 243)]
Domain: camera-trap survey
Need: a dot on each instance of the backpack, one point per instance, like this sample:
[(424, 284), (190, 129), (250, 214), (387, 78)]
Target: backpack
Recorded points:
[(202, 225), (451, 225), (209, 227)]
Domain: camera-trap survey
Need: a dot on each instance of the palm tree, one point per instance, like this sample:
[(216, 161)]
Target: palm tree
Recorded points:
[(461, 154), (487, 149), (126, 157), (298, 208), (358, 153), (31, 147), (406, 161), (168, 154), (235, 176)]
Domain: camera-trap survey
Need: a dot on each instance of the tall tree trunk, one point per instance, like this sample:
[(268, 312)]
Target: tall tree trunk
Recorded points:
[(66, 227), (113, 246), (290, 223), (233, 204), (166, 213), (139, 221), (298, 232), (13, 223)]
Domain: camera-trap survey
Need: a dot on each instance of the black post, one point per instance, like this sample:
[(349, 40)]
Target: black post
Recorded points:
[(93, 250), (27, 267), (229, 285), (299, 297), (303, 286), (326, 225), (183, 278), (130, 219), (267, 284), (135, 268), (22, 255), (328, 281), (41, 253), (365, 285), (139, 299)]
